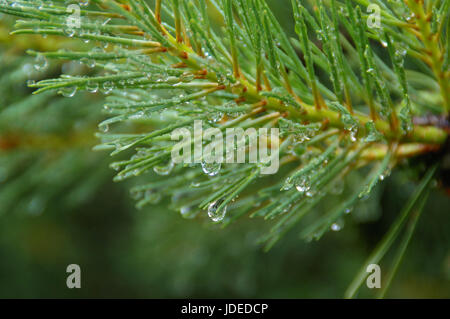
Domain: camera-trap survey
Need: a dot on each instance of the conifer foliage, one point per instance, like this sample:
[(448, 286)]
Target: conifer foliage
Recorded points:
[(345, 89)]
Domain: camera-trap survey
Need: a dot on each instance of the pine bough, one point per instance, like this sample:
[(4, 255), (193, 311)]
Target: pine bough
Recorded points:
[(345, 96)]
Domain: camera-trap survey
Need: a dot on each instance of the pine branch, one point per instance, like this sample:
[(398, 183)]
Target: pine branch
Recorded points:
[(343, 95), (393, 233), (43, 152)]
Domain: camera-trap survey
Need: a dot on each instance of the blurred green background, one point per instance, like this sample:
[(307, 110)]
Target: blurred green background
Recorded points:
[(48, 223), (156, 254)]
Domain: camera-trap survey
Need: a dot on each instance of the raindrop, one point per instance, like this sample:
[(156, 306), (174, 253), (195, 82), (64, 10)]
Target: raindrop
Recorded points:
[(195, 184), (69, 91), (152, 197), (350, 125), (40, 63), (303, 185), (353, 133), (400, 52), (411, 18), (164, 169), (184, 211), (371, 71), (115, 166), (69, 32), (336, 227), (104, 127), (108, 87), (92, 87), (385, 174), (211, 169), (188, 212), (90, 63), (287, 185), (310, 193), (215, 213)]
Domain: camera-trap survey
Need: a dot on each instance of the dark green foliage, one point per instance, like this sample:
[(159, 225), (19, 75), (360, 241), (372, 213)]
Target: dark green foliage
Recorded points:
[(343, 94)]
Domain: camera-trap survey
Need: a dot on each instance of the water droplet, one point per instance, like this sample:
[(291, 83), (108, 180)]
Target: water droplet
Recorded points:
[(400, 52), (287, 185), (164, 170), (211, 169), (69, 91), (184, 211), (338, 224), (215, 117), (353, 134), (215, 213), (188, 212), (195, 184), (40, 63), (90, 63), (309, 193), (108, 87), (69, 32), (336, 227), (303, 185), (104, 127), (92, 87), (115, 166), (152, 197), (350, 125), (385, 174), (411, 18), (187, 77)]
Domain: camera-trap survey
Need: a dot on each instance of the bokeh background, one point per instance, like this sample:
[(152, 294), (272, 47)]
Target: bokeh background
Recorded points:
[(59, 206)]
